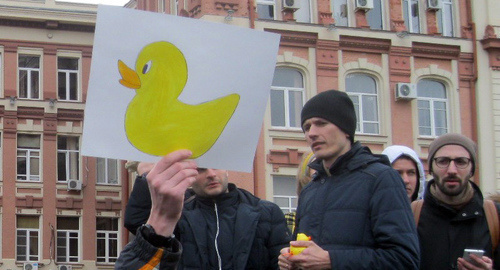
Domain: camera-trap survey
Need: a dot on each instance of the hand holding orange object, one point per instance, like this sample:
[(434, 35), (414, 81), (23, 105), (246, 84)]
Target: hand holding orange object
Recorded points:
[(294, 250)]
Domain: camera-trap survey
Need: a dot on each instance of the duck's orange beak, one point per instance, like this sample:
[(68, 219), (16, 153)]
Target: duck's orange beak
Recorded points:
[(130, 79)]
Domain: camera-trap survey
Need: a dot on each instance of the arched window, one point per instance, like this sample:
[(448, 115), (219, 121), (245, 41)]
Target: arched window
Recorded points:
[(287, 98), (362, 89), (432, 108)]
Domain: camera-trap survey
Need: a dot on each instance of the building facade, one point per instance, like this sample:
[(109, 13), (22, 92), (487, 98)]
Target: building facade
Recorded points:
[(411, 68), (487, 24), (57, 208)]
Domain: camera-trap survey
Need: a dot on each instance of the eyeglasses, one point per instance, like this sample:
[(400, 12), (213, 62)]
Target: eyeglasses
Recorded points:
[(444, 162)]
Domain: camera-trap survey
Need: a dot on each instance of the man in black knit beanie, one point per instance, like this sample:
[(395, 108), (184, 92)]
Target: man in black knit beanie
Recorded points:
[(355, 209)]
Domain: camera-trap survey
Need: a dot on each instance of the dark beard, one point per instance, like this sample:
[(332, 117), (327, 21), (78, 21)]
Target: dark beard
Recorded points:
[(440, 183)]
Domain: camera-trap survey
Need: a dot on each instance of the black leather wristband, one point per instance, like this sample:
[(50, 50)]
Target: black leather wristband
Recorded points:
[(149, 234)]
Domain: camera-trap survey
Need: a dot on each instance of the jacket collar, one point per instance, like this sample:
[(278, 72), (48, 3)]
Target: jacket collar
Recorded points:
[(357, 157), (470, 210)]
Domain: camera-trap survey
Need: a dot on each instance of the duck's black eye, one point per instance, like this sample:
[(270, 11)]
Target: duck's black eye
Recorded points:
[(146, 67)]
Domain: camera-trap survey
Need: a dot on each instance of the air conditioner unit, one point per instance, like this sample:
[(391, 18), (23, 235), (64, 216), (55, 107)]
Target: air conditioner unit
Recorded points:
[(364, 4), (406, 91), (74, 185), (434, 4), (30, 266), (64, 267), (293, 4)]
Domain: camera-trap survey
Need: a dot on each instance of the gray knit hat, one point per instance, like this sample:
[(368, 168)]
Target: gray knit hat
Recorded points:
[(456, 139), (334, 106)]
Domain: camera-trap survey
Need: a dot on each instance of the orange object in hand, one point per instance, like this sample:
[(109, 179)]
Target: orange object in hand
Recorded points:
[(297, 250)]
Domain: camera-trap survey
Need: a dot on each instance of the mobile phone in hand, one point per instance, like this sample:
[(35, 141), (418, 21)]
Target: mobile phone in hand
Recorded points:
[(478, 252)]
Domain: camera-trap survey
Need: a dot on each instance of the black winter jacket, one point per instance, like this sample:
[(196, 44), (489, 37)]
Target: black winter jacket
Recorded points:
[(260, 233), (360, 214), (444, 232)]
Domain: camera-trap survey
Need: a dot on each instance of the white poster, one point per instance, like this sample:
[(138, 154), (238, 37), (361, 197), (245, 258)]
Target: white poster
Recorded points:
[(159, 83)]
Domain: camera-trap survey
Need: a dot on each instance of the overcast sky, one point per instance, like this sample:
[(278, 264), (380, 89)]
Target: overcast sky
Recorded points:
[(104, 2)]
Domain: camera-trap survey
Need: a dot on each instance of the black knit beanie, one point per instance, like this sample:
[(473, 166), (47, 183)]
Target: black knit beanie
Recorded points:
[(334, 106), (456, 139)]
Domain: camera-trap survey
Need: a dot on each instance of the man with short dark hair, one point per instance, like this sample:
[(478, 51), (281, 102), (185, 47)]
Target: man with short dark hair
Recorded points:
[(452, 217), (222, 226), (355, 209)]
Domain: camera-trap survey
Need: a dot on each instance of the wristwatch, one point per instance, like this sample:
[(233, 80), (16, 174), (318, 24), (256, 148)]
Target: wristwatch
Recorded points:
[(148, 232)]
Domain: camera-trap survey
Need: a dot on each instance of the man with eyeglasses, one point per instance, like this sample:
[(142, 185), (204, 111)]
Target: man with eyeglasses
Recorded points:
[(452, 217)]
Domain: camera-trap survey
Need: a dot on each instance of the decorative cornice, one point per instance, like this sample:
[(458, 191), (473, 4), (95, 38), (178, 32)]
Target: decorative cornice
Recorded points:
[(466, 66), (108, 205), (69, 115), (30, 113), (10, 124), (435, 51), (50, 126), (29, 202), (491, 43), (285, 158), (48, 25), (489, 32), (11, 46), (69, 203), (295, 38), (325, 18), (492, 46), (364, 44), (398, 25), (327, 54), (227, 5)]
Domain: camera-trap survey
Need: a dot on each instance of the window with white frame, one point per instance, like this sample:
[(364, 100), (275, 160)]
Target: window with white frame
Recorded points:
[(411, 16), (446, 19), (432, 108), (107, 240), (67, 78), (266, 9), (68, 158), (28, 157), (29, 76), (340, 12), (161, 6), (303, 14), (362, 89), (27, 238), (68, 235), (175, 8), (374, 16), (287, 98), (285, 192), (107, 171)]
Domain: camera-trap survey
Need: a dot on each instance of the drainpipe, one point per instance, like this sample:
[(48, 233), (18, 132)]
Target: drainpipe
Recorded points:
[(126, 195), (473, 81), (251, 13)]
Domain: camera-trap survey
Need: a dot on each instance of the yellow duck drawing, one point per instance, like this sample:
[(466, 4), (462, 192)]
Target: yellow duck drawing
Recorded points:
[(156, 122)]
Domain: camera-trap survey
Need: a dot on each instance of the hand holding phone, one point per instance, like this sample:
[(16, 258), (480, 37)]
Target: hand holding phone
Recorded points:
[(478, 252)]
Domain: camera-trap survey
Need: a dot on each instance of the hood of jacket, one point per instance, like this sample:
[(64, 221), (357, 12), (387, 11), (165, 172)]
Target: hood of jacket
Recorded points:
[(396, 151)]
